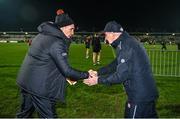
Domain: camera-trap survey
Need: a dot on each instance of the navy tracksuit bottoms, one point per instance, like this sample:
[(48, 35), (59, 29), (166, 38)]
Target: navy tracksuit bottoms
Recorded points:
[(140, 110)]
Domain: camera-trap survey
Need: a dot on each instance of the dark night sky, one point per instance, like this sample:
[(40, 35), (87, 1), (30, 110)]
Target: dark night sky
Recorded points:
[(92, 15)]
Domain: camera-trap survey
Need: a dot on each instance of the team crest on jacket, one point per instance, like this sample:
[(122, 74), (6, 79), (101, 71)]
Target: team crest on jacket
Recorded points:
[(122, 60), (64, 54)]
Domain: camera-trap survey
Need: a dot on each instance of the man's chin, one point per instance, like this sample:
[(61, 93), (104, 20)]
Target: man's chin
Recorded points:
[(106, 42), (70, 36)]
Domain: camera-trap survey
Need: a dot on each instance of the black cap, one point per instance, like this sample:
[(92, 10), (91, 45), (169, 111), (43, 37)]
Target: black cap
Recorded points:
[(113, 26), (63, 19)]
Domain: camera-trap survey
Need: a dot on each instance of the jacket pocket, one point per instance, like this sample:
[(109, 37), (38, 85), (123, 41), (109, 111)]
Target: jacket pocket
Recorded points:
[(56, 89)]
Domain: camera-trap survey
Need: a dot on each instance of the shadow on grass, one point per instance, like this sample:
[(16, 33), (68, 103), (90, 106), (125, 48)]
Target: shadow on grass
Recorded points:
[(9, 65)]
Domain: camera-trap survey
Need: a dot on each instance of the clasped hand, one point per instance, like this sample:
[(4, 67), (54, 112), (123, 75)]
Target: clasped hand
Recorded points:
[(92, 79)]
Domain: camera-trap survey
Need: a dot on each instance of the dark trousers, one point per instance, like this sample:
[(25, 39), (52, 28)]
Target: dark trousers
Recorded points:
[(30, 103), (140, 110)]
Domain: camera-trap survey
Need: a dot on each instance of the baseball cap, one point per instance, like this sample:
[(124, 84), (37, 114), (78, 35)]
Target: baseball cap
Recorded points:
[(113, 26)]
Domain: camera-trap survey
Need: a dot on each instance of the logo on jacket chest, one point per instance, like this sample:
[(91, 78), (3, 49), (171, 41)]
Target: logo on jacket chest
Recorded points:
[(122, 60), (64, 54)]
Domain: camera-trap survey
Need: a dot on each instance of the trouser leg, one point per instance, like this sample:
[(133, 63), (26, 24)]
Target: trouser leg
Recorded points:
[(45, 107), (27, 107), (30, 103), (140, 110)]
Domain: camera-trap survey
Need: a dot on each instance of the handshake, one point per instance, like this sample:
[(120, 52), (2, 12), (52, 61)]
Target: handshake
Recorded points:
[(93, 78)]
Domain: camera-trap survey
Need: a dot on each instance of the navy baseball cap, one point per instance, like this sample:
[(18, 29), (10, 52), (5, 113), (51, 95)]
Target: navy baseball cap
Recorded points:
[(113, 26)]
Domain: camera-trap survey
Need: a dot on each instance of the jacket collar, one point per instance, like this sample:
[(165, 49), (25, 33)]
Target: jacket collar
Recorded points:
[(120, 39)]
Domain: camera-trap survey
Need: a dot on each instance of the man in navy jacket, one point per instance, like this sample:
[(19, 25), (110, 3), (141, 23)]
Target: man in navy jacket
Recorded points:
[(42, 77), (131, 67)]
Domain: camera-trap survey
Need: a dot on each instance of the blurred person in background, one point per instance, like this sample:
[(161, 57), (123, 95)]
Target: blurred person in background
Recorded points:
[(87, 45), (96, 48), (163, 43)]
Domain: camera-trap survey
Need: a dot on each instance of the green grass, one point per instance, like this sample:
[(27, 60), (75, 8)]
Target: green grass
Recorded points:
[(81, 100)]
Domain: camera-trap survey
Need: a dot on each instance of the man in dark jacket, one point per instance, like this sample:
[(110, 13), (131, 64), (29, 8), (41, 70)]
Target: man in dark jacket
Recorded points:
[(131, 67), (42, 77)]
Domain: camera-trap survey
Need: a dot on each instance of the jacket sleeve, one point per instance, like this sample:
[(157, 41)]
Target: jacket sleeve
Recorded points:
[(122, 70), (108, 69), (59, 55), (117, 77)]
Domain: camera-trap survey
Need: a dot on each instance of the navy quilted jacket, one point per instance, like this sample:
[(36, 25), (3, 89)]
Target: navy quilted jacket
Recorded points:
[(46, 66), (131, 67)]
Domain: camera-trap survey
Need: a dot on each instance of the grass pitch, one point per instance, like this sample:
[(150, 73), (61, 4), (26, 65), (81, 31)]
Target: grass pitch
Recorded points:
[(82, 101)]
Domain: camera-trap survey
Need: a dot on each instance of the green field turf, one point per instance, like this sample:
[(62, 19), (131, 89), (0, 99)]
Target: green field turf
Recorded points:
[(82, 101)]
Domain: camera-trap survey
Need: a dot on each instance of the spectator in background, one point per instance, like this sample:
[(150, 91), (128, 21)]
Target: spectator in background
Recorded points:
[(96, 48), (42, 77), (29, 42), (87, 45), (178, 44), (163, 43)]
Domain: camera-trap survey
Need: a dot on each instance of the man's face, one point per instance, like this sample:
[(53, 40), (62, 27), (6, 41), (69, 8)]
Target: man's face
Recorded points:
[(68, 30), (109, 37)]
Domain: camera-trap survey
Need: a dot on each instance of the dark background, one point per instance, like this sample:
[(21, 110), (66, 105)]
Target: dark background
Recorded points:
[(92, 15)]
